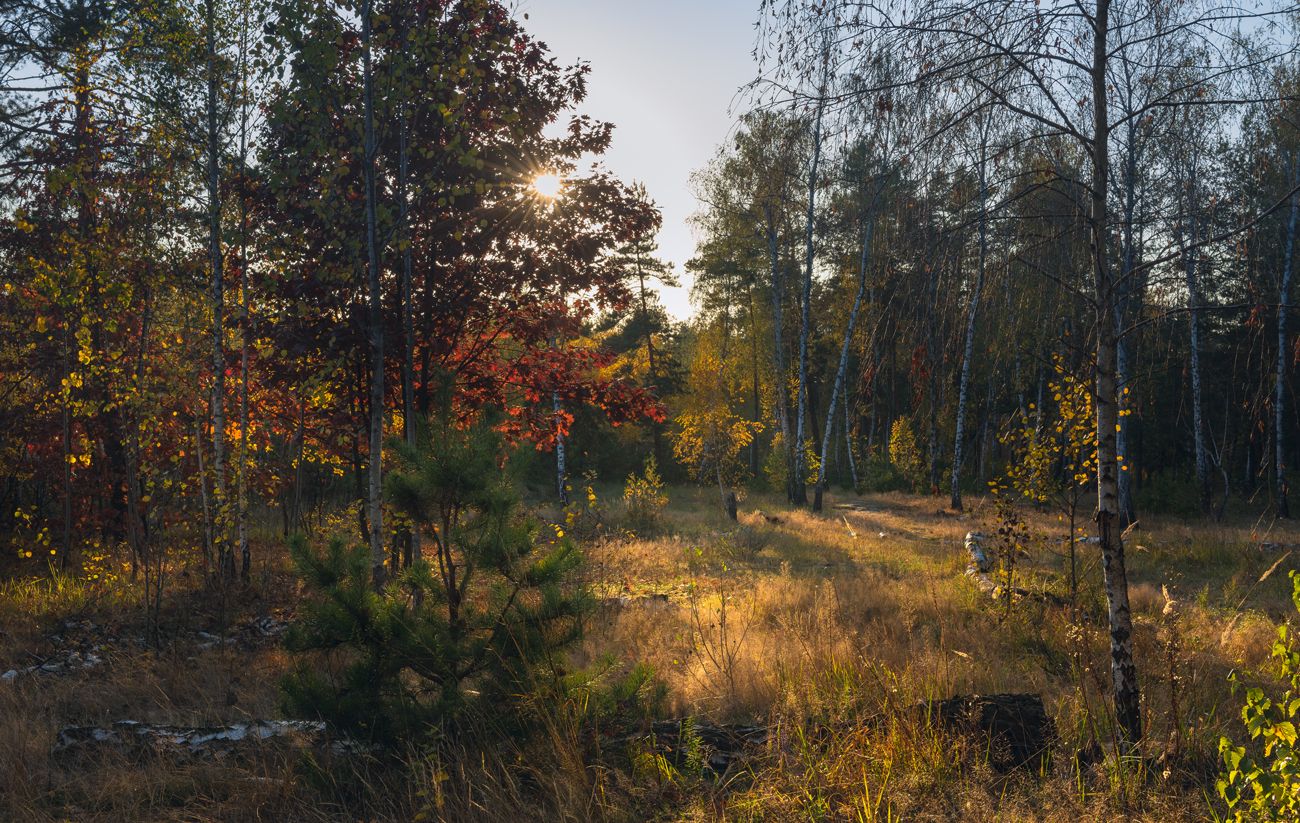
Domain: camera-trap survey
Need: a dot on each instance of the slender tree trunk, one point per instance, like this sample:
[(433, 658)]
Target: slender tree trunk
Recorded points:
[(1194, 362), (753, 362), (203, 496), (981, 471), (1190, 262), (799, 484), (375, 316), (66, 446), (655, 434), (1124, 681), (361, 421), (842, 369), (1128, 304), (225, 557), (561, 471), (245, 322), (413, 549), (780, 388), (1279, 399), (299, 452), (848, 443), (968, 352), (934, 357)]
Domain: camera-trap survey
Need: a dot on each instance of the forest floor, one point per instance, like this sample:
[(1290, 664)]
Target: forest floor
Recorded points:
[(823, 629)]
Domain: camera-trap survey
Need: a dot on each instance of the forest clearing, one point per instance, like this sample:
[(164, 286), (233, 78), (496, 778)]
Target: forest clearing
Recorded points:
[(841, 622), (476, 410)]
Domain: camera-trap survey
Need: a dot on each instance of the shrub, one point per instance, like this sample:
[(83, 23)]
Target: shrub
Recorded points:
[(645, 499), (905, 455), (584, 513), (877, 474), (746, 541), (468, 634), (1265, 785)]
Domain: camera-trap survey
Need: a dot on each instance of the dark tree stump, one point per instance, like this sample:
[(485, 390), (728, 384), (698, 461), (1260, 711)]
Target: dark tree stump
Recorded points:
[(1016, 727), (731, 505)]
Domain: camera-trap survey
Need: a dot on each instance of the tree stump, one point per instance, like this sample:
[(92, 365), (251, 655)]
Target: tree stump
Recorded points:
[(1016, 727)]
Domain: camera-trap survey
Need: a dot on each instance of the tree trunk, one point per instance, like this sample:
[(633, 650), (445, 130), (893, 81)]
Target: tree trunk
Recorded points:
[(246, 331), (1279, 400), (225, 558), (299, 451), (412, 536), (1124, 682), (753, 362), (933, 356), (1190, 262), (968, 352), (375, 317), (655, 435), (203, 496), (1128, 306), (848, 443), (842, 369), (561, 471), (780, 389), (66, 452), (799, 483)]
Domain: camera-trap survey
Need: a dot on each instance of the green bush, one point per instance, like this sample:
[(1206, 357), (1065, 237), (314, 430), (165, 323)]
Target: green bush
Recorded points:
[(468, 634), (905, 455), (645, 499), (1265, 784), (876, 474)]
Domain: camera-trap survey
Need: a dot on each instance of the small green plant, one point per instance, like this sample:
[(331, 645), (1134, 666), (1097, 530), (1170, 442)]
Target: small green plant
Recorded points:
[(721, 616), (1012, 536), (905, 455), (1264, 784), (645, 499), (1052, 462), (468, 634), (584, 514)]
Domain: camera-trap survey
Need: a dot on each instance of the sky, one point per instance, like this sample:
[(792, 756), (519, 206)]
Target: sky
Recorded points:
[(666, 74)]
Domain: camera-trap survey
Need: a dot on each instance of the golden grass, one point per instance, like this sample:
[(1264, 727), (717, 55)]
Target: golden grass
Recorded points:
[(837, 621)]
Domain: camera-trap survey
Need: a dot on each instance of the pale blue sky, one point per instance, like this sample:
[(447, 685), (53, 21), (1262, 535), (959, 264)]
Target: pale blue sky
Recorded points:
[(665, 73)]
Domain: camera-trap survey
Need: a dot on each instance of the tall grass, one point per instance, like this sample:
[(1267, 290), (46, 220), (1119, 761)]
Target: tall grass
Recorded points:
[(836, 626)]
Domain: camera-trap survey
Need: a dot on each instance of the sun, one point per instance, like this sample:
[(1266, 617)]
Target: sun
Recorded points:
[(548, 185)]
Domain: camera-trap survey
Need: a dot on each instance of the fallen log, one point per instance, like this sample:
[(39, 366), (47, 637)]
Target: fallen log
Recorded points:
[(980, 564), (137, 738)]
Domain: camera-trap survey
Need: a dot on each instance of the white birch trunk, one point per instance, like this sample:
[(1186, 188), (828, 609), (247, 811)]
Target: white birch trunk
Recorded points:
[(798, 484), (843, 367), (1124, 682), (561, 471), (968, 353)]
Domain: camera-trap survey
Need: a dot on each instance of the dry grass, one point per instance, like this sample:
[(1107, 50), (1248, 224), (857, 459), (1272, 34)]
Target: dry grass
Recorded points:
[(835, 622)]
